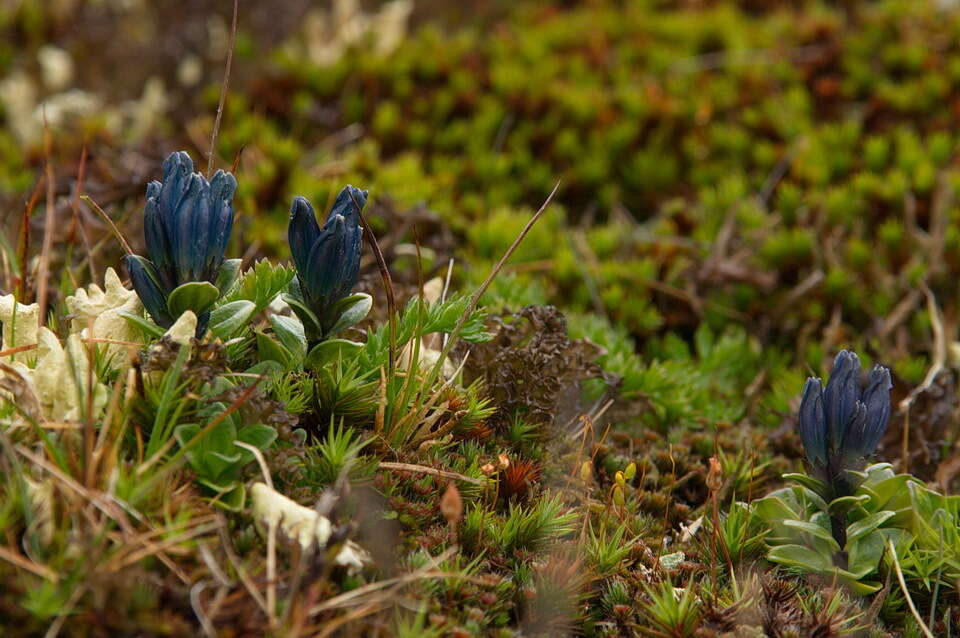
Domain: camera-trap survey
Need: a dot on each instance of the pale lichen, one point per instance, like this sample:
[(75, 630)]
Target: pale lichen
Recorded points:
[(307, 527), (96, 313), (183, 329), (20, 325)]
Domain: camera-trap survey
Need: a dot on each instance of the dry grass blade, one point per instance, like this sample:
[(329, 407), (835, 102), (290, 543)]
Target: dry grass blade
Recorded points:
[(223, 89), (106, 218), (262, 462), (128, 558), (357, 596), (25, 563), (936, 366), (475, 298), (24, 241), (387, 284), (227, 544), (75, 208), (906, 592), (12, 351)]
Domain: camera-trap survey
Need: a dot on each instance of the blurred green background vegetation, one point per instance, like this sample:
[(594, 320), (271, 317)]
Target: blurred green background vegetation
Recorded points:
[(785, 167)]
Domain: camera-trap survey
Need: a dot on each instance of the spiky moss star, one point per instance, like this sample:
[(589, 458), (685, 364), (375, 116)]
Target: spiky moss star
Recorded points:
[(187, 225)]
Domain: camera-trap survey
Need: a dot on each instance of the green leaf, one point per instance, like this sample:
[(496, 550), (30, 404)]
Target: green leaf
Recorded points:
[(219, 464), (228, 319), (772, 508), (261, 284), (355, 308), (330, 350), (147, 327), (269, 369), (234, 499), (270, 349), (866, 525), (809, 482), (230, 496), (228, 275), (198, 296), (800, 556), (864, 587), (310, 321), (218, 487), (259, 436), (846, 504), (886, 491), (184, 433), (814, 530), (289, 331)]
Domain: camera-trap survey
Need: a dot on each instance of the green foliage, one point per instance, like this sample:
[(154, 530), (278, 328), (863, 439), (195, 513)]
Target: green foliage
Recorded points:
[(418, 319), (608, 550), (533, 526), (167, 400), (735, 174), (215, 457), (338, 453), (415, 625), (688, 388), (739, 536), (886, 508), (260, 284), (670, 612)]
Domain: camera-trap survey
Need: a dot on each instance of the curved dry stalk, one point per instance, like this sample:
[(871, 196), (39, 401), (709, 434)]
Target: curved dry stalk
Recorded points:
[(223, 89)]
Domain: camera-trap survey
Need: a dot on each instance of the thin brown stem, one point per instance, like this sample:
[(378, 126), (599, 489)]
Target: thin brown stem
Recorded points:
[(43, 273), (387, 284), (113, 227), (223, 89)]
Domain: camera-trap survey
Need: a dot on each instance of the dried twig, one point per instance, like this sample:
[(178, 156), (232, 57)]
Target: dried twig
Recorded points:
[(425, 469), (262, 462), (906, 592), (24, 242), (939, 361)]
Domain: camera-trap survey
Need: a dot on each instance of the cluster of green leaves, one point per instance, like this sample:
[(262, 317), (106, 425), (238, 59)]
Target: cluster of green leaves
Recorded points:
[(687, 386), (888, 513), (524, 527), (216, 458)]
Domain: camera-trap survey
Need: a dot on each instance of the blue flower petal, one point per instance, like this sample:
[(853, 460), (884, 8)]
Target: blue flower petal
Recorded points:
[(876, 397), (813, 423), (220, 224), (346, 204), (158, 243), (146, 282), (302, 232), (841, 396)]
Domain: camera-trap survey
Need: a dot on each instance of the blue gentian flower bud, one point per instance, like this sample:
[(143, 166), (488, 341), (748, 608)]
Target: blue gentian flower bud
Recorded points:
[(327, 259), (842, 425), (187, 225)]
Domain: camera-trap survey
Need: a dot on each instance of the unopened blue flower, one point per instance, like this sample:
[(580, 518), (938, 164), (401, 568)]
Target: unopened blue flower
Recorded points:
[(187, 225), (842, 424), (327, 259)]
